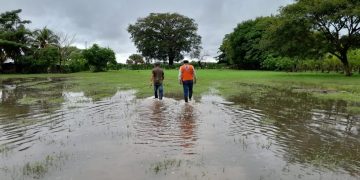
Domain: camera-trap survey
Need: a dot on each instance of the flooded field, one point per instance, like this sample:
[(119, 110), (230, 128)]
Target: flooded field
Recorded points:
[(50, 131)]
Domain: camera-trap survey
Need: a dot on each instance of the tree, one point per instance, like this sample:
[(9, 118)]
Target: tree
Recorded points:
[(13, 36), (64, 45), (137, 59), (165, 36), (98, 57), (200, 55), (242, 47), (318, 26), (225, 50), (129, 61), (46, 59), (45, 37), (76, 61)]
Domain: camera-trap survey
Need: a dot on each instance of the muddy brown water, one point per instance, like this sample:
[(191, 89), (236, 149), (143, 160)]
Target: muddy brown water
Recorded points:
[(270, 134)]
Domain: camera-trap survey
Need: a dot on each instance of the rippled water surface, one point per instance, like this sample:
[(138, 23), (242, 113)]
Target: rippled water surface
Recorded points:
[(50, 132)]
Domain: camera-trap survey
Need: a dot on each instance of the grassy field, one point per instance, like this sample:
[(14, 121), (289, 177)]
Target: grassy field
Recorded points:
[(225, 82)]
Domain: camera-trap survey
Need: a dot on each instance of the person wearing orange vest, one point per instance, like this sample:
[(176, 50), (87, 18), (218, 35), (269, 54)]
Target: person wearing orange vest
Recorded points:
[(187, 77)]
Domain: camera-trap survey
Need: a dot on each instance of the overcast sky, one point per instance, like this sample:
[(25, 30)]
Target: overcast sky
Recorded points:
[(105, 21)]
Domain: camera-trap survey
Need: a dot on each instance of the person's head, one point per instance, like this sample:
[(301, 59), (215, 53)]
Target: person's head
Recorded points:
[(157, 64), (186, 62)]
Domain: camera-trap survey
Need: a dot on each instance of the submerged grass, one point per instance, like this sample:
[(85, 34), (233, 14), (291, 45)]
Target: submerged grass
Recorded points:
[(27, 100), (39, 168), (4, 149), (36, 169), (165, 165), (228, 82)]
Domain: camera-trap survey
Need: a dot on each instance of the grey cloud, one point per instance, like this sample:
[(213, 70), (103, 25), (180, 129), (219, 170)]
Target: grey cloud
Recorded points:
[(105, 21)]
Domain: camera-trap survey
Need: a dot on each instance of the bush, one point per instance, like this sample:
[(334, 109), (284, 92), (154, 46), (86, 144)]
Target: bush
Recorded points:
[(76, 65), (269, 63), (98, 58), (354, 60)]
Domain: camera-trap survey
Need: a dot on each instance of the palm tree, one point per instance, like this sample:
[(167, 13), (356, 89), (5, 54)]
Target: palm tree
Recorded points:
[(44, 37)]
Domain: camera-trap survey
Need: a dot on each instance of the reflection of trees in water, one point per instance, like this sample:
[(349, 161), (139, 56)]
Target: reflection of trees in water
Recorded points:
[(310, 130), (31, 88), (20, 116)]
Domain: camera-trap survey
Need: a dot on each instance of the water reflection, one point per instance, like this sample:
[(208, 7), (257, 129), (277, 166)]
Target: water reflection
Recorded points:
[(188, 126), (263, 133), (157, 115), (31, 106), (309, 130), (169, 121)]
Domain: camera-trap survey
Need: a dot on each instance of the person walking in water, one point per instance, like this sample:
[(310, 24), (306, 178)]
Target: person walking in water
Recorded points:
[(187, 77), (157, 79)]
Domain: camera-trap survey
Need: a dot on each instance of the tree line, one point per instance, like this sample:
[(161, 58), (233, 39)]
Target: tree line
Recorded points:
[(306, 35), (42, 50)]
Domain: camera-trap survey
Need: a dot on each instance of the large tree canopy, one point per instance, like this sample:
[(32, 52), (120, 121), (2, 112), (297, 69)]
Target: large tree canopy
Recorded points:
[(318, 26), (165, 36), (242, 47), (13, 35)]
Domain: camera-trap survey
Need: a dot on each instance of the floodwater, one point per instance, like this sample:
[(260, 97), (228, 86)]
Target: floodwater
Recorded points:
[(48, 131)]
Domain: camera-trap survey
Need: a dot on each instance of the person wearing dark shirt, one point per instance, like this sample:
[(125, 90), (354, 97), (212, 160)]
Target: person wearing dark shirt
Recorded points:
[(157, 79)]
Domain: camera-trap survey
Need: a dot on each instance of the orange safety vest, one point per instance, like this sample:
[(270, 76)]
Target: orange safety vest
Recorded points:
[(187, 72)]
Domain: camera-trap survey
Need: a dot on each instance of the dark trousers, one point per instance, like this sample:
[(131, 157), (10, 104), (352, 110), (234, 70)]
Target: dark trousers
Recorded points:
[(159, 91), (188, 89)]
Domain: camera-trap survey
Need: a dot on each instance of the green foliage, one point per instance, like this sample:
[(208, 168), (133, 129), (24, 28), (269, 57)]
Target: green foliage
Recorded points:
[(76, 62), (46, 59), (206, 65), (13, 36), (98, 58), (354, 59), (242, 47), (309, 27), (269, 63), (47, 56), (331, 63), (306, 31), (39, 61), (44, 37), (165, 36), (129, 61), (136, 59), (279, 63), (285, 37)]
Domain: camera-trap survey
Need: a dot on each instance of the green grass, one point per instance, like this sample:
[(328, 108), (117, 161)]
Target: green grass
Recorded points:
[(28, 100), (38, 169), (228, 82), (165, 165)]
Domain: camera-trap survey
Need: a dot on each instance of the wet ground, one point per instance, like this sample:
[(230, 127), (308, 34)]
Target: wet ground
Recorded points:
[(48, 131)]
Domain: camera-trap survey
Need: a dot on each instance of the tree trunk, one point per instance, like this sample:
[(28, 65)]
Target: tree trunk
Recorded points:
[(171, 62), (345, 62), (171, 59)]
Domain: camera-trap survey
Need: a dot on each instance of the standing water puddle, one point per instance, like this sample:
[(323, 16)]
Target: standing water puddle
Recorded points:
[(49, 132)]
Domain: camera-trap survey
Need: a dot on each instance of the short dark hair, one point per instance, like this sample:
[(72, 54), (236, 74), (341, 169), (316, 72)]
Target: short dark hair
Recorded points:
[(157, 64), (185, 61)]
